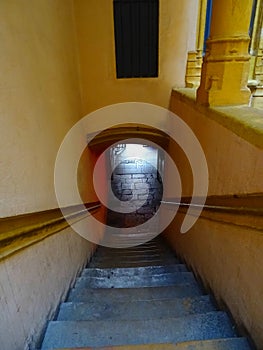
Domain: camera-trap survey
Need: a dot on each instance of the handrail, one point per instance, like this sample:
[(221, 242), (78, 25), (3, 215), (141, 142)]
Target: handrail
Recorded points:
[(257, 211), (244, 211), (21, 231)]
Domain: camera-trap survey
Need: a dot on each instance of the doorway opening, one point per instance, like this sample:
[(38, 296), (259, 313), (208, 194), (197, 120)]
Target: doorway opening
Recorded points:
[(136, 182)]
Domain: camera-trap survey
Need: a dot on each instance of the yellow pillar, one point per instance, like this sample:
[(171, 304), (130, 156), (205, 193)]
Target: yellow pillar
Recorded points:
[(201, 27), (226, 63), (194, 58)]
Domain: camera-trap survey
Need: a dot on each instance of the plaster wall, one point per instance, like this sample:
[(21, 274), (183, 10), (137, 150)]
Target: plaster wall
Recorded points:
[(234, 164), (227, 256), (39, 100), (95, 37), (33, 282)]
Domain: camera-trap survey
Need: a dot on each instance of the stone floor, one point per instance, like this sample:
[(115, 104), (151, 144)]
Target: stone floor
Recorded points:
[(136, 181)]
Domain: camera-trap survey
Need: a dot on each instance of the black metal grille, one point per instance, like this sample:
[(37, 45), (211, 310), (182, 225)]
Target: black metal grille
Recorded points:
[(136, 25)]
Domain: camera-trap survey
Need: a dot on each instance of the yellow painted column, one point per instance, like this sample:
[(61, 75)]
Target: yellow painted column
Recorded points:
[(226, 63), (201, 27), (194, 58)]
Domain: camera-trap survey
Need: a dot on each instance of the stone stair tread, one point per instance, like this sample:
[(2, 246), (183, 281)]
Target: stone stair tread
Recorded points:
[(159, 247), (215, 344), (211, 325), (141, 257), (135, 310), (133, 238), (136, 281), (133, 255), (133, 294), (134, 263), (140, 298), (134, 271), (138, 256), (136, 249)]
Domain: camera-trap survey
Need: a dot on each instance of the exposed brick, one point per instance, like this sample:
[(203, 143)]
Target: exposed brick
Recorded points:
[(128, 192), (116, 186), (151, 176), (115, 177), (126, 197), (139, 186), (145, 197), (126, 186), (138, 176), (137, 181), (140, 191), (129, 181), (125, 176)]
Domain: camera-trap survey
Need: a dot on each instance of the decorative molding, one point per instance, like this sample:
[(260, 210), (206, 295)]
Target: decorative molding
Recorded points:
[(19, 232), (228, 59), (229, 39), (193, 69), (108, 137), (227, 49)]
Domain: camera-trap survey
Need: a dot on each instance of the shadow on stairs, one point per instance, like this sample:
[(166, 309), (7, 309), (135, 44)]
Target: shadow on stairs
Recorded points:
[(140, 298)]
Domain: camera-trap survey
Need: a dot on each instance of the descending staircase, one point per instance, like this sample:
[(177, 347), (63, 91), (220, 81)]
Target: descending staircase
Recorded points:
[(140, 298)]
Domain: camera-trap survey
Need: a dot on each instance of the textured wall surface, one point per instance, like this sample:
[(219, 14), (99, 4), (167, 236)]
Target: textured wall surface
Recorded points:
[(39, 102), (95, 37), (33, 282), (227, 257)]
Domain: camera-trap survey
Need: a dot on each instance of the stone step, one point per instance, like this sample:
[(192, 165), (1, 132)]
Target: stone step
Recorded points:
[(215, 344), (106, 295), (131, 254), (130, 263), (130, 239), (133, 257), (140, 248), (157, 280), (211, 325), (133, 271), (147, 245), (156, 244), (135, 310)]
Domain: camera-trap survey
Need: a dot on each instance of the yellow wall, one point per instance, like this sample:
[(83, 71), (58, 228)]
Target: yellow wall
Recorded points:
[(227, 256), (95, 34), (39, 100), (33, 283), (234, 164)]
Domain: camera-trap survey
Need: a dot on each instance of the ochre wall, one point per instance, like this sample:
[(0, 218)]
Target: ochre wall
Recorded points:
[(95, 37), (34, 282), (234, 164), (40, 99), (227, 256), (39, 102)]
